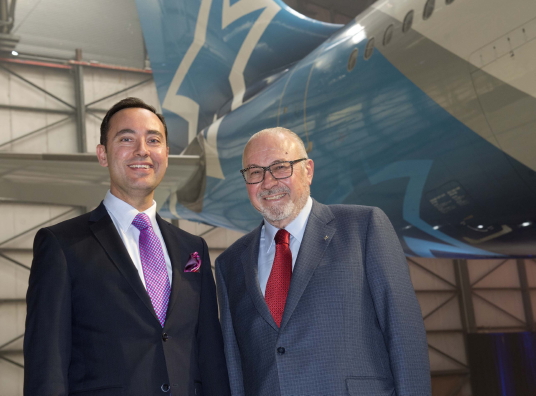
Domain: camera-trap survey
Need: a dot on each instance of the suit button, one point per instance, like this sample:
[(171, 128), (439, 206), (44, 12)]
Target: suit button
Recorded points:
[(165, 387), (165, 337), (281, 350)]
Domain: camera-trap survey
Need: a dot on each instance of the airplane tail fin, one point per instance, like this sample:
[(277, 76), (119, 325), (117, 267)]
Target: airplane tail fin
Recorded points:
[(209, 56)]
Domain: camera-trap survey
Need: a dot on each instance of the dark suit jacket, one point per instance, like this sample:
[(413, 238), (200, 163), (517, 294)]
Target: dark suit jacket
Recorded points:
[(351, 326), (91, 328)]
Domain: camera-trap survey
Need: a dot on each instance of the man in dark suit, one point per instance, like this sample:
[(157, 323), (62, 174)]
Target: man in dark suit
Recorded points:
[(121, 302), (317, 300)]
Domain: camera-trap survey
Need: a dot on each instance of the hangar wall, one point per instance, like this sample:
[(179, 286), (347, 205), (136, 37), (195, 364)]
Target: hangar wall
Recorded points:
[(457, 297)]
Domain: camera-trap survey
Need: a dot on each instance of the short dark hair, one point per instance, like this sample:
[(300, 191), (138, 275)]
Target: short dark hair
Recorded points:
[(127, 104)]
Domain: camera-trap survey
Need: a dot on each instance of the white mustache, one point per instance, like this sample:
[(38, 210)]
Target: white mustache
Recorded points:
[(275, 190)]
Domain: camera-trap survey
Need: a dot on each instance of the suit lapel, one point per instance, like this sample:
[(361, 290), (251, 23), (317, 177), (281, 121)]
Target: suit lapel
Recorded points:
[(176, 252), (250, 260), (316, 239), (104, 230)]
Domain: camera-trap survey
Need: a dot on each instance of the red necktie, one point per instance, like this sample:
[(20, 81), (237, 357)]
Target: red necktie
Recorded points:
[(279, 280)]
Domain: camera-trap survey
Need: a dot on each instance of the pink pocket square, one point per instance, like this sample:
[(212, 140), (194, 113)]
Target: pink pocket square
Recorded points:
[(193, 264)]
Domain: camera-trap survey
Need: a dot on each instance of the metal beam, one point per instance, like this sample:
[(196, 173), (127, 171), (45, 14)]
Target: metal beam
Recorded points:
[(11, 341), (92, 110), (445, 373), (11, 361), (36, 86), (17, 249), (80, 110), (454, 295), (433, 348), (34, 132), (525, 294), (431, 272), (497, 307), (467, 310), (456, 391), (14, 261), (37, 226), (208, 231), (119, 92), (445, 331), (489, 272), (36, 109)]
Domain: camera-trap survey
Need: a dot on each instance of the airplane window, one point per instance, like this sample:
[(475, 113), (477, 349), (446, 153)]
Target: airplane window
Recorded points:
[(408, 21), (428, 9), (369, 49), (388, 35), (449, 1), (352, 60)]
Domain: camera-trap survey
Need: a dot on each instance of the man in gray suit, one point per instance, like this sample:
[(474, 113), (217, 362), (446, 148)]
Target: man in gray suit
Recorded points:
[(325, 309)]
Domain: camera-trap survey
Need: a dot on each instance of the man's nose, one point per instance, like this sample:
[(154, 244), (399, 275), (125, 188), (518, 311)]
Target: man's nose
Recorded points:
[(269, 181), (142, 149)]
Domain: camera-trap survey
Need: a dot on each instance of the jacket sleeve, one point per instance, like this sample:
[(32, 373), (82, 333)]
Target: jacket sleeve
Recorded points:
[(232, 353), (397, 309), (47, 341), (209, 338)]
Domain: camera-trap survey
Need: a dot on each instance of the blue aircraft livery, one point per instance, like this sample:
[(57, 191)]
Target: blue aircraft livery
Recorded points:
[(424, 109)]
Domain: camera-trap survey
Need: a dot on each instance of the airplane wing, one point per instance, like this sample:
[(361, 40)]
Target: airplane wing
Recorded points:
[(76, 179)]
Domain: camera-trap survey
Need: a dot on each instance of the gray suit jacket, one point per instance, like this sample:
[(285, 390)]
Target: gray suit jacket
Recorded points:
[(351, 326)]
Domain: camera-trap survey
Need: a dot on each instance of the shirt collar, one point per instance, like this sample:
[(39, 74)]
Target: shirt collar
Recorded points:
[(124, 213), (296, 228)]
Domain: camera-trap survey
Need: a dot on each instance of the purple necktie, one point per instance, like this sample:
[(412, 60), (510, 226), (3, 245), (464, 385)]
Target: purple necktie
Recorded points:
[(154, 266)]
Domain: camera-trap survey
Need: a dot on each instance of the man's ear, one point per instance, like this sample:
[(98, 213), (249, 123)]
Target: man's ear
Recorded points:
[(310, 170), (101, 155)]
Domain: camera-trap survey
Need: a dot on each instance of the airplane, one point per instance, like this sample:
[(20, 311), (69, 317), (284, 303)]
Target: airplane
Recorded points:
[(424, 108)]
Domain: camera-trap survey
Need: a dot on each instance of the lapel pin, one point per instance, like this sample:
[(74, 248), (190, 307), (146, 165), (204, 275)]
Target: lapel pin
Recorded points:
[(326, 238)]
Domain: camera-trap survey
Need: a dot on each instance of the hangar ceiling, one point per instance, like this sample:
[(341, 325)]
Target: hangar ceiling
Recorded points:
[(109, 31)]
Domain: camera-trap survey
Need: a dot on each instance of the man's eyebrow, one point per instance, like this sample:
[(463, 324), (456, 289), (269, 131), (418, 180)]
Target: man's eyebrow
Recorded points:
[(155, 132), (272, 163), (128, 131), (124, 132)]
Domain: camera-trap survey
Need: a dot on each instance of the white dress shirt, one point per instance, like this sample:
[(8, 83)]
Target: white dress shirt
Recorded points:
[(122, 215), (296, 230)]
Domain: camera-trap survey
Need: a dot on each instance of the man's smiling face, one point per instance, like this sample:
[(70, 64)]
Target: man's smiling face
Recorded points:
[(136, 153), (279, 201)]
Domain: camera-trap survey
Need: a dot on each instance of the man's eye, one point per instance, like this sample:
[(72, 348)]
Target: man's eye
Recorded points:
[(154, 140), (254, 172)]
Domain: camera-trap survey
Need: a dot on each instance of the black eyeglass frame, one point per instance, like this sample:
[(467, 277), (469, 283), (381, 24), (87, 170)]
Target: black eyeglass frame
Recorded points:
[(267, 168)]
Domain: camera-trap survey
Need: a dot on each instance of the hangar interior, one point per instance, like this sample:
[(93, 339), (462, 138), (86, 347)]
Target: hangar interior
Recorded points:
[(75, 59)]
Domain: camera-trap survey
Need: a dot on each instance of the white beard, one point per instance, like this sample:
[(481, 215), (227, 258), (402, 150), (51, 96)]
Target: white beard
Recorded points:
[(281, 212)]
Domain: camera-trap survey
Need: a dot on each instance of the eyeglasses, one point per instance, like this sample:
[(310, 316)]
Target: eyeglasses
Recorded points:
[(279, 170)]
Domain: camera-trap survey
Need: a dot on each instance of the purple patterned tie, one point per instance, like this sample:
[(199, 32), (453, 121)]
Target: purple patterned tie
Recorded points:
[(154, 266)]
